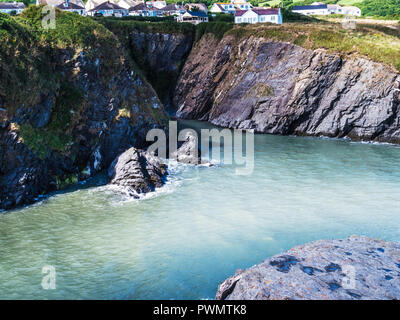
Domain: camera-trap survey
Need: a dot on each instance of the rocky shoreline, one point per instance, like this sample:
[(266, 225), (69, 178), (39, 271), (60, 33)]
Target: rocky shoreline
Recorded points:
[(356, 268), (280, 88)]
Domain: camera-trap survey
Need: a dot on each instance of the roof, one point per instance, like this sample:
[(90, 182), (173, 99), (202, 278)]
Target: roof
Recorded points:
[(317, 7), (12, 5), (266, 12), (140, 7), (200, 6), (71, 6), (198, 13), (58, 2), (259, 11), (239, 13), (170, 7), (107, 6)]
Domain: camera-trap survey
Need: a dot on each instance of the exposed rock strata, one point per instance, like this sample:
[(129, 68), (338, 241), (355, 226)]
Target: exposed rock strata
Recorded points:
[(322, 270), (161, 56), (137, 171), (79, 109), (281, 88)]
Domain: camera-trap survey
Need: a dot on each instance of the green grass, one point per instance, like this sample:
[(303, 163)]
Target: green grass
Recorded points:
[(28, 59), (376, 42)]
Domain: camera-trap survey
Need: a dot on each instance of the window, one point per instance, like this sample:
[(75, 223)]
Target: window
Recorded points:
[(238, 20), (273, 18)]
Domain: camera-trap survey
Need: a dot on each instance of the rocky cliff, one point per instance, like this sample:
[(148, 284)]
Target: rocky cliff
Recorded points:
[(278, 87), (70, 102), (161, 56), (159, 49)]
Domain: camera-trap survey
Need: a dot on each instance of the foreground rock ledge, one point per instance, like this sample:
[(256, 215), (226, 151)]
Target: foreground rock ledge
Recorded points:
[(322, 270)]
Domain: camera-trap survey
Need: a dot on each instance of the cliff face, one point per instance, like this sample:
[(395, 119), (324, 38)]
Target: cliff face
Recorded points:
[(73, 106), (280, 88), (161, 57)]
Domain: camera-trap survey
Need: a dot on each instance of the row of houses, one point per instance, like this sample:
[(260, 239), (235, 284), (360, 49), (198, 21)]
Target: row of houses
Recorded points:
[(319, 8), (12, 7)]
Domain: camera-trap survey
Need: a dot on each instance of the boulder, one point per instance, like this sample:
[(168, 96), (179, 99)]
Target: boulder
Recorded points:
[(188, 152), (349, 269), (137, 171)]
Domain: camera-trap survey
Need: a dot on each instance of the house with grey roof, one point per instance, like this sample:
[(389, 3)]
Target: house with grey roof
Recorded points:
[(12, 7)]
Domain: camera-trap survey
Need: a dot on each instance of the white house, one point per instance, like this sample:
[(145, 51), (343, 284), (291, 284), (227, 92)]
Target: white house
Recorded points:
[(223, 7), (314, 9), (230, 7), (349, 10), (72, 7), (259, 15), (156, 4), (127, 4), (56, 3), (12, 7), (173, 10), (194, 17), (352, 11)]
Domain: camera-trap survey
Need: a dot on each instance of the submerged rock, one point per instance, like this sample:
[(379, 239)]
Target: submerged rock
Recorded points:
[(353, 268), (138, 171)]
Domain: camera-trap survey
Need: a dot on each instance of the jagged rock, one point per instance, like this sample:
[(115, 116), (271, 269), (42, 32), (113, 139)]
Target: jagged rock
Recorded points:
[(353, 268), (280, 88), (138, 171), (189, 151)]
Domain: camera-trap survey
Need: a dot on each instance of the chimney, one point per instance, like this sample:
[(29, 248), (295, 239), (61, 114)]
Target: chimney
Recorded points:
[(66, 3)]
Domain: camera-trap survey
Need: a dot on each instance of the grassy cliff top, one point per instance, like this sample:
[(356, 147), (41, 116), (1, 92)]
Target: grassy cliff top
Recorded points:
[(376, 42)]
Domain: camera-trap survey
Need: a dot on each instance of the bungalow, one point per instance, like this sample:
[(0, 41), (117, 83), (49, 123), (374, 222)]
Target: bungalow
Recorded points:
[(223, 7), (194, 17), (143, 10), (349, 11), (56, 3), (72, 7), (335, 9), (173, 10), (12, 7), (352, 11), (108, 9), (241, 4), (259, 15), (156, 4), (196, 7), (314, 9), (127, 4)]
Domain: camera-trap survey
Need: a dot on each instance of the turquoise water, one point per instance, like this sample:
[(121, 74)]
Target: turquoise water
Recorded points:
[(207, 222)]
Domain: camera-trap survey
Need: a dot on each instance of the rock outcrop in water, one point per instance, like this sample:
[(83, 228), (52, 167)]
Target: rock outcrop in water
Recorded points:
[(280, 88), (137, 171), (353, 268)]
